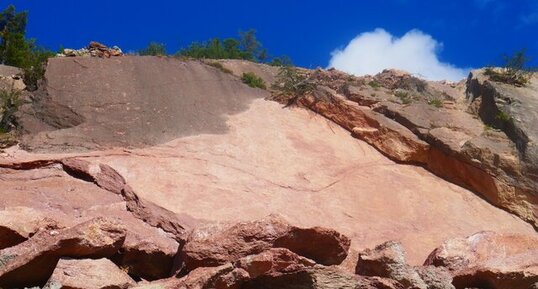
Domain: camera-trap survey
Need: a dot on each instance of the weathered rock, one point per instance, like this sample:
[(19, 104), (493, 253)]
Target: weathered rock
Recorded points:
[(435, 277), (17, 224), (514, 111), (214, 154), (273, 261), (6, 70), (388, 260), (415, 126), (88, 274), (489, 260), (148, 256), (148, 251), (220, 277), (275, 268), (32, 262), (109, 179), (218, 244)]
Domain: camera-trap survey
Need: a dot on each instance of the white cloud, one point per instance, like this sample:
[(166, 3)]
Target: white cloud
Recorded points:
[(415, 52)]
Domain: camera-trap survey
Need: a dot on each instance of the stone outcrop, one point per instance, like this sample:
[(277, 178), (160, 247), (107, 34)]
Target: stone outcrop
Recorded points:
[(512, 110), (88, 274), (221, 243), (188, 159), (433, 124), (489, 260), (152, 234)]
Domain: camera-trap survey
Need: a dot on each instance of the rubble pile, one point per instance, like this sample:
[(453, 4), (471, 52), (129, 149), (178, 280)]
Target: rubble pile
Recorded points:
[(94, 49)]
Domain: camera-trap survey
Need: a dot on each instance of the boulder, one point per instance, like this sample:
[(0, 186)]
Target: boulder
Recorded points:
[(32, 262), (6, 70), (435, 277), (220, 277), (17, 224), (273, 261), (149, 256), (490, 260), (221, 243), (272, 269), (88, 274), (388, 260)]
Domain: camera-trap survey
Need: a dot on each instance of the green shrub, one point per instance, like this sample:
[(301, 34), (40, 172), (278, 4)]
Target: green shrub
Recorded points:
[(9, 104), (291, 84), (503, 116), (154, 49), (253, 80), (514, 70), (247, 47), (16, 50), (35, 67), (403, 96), (374, 84), (436, 102), (219, 66), (281, 61)]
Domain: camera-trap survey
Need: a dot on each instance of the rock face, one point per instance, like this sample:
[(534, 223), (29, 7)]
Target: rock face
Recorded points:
[(489, 260), (216, 151), (218, 244), (126, 99), (433, 125), (187, 161), (513, 110), (88, 274)]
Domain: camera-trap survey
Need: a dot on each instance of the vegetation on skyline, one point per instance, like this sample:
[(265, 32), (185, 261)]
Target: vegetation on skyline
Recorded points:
[(514, 71), (16, 50), (154, 49)]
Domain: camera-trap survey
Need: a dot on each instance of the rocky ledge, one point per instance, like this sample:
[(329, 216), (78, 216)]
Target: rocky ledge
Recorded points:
[(114, 239), (478, 133)]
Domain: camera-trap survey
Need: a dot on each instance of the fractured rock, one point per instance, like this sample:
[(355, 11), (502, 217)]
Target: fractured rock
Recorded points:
[(272, 269), (88, 274), (17, 224), (388, 260), (32, 262), (149, 256), (217, 244), (435, 277), (489, 260)]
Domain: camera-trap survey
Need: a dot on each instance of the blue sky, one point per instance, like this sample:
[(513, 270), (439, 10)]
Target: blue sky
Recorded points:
[(470, 33)]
